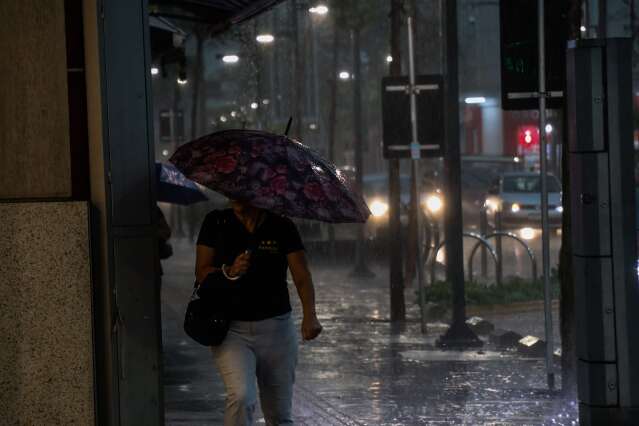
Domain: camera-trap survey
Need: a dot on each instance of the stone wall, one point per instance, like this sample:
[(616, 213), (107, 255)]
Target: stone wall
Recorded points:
[(46, 333)]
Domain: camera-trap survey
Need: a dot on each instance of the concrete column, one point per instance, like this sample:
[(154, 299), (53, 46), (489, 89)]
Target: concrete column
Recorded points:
[(46, 314)]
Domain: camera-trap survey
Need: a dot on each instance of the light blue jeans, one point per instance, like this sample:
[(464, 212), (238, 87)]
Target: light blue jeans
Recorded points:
[(263, 353)]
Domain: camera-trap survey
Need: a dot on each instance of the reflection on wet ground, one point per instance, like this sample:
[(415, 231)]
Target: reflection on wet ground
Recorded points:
[(362, 370)]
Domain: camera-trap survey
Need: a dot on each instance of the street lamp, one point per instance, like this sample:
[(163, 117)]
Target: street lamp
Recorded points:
[(230, 59), (254, 105), (548, 129), (265, 38), (319, 9), (182, 81), (344, 75), (155, 70), (389, 59)]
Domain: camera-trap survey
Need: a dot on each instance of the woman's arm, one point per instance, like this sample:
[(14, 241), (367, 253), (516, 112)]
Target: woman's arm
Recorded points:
[(298, 265), (204, 262)]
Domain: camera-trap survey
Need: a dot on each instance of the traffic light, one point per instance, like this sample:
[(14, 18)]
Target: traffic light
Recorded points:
[(520, 52), (528, 136)]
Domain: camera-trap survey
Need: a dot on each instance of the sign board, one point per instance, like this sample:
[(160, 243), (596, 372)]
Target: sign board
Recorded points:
[(396, 116), (520, 53)]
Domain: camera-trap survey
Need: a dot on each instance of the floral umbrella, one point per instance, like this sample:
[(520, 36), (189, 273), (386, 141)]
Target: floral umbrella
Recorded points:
[(272, 172)]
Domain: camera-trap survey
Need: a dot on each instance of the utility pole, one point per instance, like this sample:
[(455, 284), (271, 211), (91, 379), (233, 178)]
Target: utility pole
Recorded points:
[(543, 157), (415, 148), (397, 301), (459, 335)]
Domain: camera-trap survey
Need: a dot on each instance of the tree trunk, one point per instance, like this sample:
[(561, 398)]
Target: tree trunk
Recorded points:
[(197, 100), (361, 267), (196, 80), (332, 117), (298, 70), (397, 301)]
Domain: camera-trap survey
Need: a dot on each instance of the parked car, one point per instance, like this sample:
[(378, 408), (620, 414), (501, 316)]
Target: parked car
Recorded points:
[(517, 196)]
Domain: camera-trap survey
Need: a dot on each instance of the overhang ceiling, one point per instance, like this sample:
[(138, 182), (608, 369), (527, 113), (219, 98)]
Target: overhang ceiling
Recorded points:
[(217, 14)]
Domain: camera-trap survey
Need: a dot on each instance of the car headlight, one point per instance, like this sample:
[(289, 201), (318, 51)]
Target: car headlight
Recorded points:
[(491, 205), (434, 203), (527, 233), (379, 208), (515, 208)]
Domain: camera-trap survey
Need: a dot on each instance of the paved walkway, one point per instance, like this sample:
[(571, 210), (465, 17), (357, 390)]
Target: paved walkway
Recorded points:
[(361, 371)]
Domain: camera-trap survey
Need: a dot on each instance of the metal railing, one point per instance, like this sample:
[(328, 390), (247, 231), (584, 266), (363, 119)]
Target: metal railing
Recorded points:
[(501, 234), (432, 262)]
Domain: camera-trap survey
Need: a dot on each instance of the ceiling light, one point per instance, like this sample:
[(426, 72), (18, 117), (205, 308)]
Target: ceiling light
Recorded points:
[(265, 38), (230, 59)]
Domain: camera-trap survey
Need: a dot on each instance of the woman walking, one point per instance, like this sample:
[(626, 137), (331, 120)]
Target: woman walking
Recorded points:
[(252, 249)]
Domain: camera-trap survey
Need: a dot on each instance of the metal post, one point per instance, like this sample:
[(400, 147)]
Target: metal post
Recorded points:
[(483, 230), (436, 241), (415, 155), (544, 196), (498, 249)]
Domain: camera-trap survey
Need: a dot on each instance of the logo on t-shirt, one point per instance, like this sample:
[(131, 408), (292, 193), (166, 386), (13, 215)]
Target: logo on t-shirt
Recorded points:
[(269, 246)]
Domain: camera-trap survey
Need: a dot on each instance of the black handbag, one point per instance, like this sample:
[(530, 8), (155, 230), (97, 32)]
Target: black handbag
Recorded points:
[(165, 250), (205, 322)]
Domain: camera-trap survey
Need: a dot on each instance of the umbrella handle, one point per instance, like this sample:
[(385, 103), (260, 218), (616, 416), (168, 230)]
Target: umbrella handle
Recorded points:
[(288, 125)]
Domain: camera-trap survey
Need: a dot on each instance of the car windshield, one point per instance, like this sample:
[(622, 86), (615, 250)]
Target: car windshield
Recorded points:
[(529, 183)]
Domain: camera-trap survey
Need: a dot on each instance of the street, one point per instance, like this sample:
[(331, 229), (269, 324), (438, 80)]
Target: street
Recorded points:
[(364, 371)]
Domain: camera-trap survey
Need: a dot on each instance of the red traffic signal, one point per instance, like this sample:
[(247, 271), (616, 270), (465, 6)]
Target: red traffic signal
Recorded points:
[(528, 136)]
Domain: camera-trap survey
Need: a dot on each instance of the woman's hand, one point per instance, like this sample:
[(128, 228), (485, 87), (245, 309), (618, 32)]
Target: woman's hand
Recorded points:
[(311, 327), (240, 265)]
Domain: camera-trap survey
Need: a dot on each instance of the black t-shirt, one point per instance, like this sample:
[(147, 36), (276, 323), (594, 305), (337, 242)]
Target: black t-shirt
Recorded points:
[(262, 292)]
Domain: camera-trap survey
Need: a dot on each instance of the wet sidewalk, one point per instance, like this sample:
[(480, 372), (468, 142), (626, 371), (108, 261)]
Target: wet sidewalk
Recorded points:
[(363, 371)]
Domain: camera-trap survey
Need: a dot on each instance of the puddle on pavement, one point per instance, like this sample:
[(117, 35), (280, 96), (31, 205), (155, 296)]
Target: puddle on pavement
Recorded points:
[(436, 355)]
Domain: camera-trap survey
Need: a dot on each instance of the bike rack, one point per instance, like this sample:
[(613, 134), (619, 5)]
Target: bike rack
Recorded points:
[(531, 255), (480, 241)]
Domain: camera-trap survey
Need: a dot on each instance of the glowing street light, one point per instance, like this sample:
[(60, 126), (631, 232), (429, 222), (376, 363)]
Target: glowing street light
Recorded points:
[(182, 80), (155, 70), (254, 105), (582, 29), (344, 75), (230, 59), (265, 38), (320, 9), (548, 129), (233, 114), (223, 118)]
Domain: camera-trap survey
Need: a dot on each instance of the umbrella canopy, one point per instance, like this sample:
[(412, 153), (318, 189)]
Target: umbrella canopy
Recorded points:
[(173, 187), (271, 172)]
